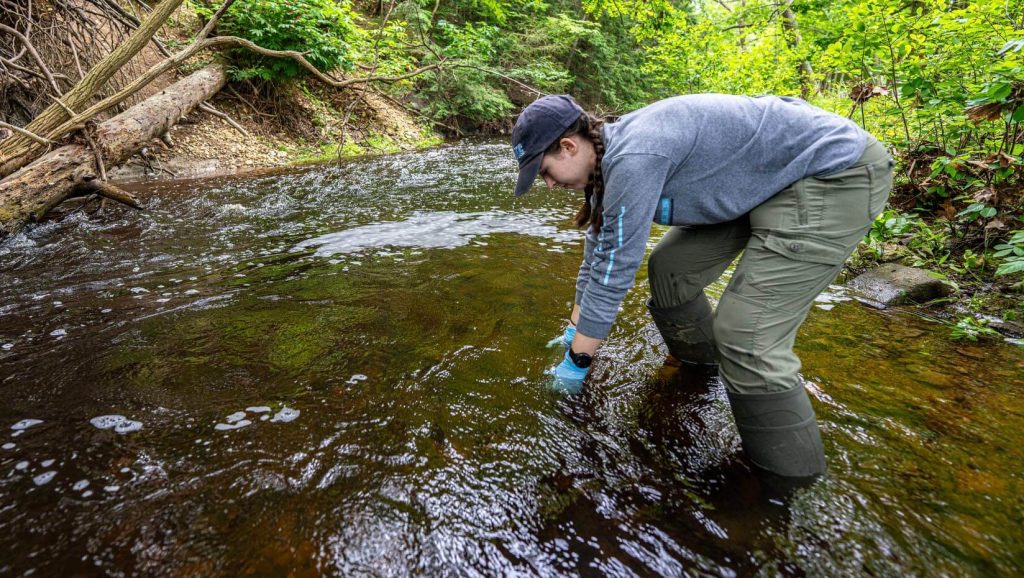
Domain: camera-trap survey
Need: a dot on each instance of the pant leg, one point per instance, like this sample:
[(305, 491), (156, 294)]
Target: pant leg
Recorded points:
[(688, 259), (799, 240), (684, 262)]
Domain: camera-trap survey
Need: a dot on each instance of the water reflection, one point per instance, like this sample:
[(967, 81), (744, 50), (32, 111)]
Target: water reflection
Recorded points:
[(340, 370)]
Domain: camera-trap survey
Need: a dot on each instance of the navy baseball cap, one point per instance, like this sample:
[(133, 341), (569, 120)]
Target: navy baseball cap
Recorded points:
[(537, 128)]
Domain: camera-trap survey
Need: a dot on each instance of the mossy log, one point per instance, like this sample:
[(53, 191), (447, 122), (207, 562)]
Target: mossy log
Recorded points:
[(35, 189)]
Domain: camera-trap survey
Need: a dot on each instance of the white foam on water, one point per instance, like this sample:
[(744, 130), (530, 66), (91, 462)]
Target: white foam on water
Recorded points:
[(107, 421), (111, 488), (128, 426), (118, 423), (46, 463), (191, 292), (825, 306), (235, 417), (9, 446), (44, 478), (21, 465), (7, 346), (17, 433), (237, 425), (59, 332), (25, 424), (264, 417), (139, 290), (86, 493), (258, 409), (286, 415), (108, 310), (356, 378), (80, 485), (434, 230)]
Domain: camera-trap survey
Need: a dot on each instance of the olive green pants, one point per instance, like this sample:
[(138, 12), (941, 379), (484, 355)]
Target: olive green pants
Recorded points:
[(794, 244)]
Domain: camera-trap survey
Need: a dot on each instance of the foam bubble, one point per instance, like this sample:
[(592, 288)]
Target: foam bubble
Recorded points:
[(111, 488), (9, 446), (86, 493), (286, 415), (80, 485), (118, 423), (235, 417), (46, 463), (128, 426), (8, 346), (59, 332), (26, 423), (21, 465), (44, 478), (258, 409), (237, 425), (357, 378)]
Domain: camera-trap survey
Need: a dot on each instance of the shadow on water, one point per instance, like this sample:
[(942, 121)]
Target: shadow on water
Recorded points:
[(340, 370)]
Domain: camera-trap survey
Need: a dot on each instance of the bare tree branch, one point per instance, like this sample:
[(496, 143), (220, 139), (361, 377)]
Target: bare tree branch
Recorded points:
[(35, 55), (26, 133)]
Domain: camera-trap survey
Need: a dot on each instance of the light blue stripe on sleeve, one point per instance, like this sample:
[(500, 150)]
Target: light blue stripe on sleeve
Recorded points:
[(666, 211), (611, 254)]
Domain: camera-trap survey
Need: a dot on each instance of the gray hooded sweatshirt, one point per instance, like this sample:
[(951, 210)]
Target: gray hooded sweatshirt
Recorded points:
[(695, 160)]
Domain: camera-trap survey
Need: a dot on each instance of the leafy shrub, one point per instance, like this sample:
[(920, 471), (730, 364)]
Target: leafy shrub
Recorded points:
[(1012, 254), (323, 30)]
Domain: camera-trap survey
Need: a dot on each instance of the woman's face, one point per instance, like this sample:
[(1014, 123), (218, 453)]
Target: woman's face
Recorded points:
[(571, 166)]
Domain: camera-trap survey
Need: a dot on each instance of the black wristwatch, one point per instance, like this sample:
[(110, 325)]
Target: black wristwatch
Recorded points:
[(580, 360)]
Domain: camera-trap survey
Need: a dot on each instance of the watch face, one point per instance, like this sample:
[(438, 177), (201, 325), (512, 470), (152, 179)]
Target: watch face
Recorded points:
[(581, 360)]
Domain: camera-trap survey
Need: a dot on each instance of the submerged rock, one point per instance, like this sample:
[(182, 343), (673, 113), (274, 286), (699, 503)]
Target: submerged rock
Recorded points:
[(892, 284)]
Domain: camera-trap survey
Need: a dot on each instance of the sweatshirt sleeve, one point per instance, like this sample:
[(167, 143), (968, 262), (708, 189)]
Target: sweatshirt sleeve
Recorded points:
[(633, 185), (589, 241)]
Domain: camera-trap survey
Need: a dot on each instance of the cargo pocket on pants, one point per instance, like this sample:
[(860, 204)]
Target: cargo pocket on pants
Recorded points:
[(806, 248)]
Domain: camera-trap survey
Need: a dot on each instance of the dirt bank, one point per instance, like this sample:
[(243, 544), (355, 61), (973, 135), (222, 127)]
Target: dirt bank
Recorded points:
[(277, 127)]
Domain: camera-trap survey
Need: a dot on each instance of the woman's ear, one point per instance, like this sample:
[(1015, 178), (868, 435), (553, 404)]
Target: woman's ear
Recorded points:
[(569, 146)]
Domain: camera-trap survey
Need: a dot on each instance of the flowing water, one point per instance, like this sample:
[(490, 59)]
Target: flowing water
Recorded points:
[(340, 370)]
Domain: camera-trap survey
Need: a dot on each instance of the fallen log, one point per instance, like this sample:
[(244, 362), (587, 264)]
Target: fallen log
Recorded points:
[(32, 191)]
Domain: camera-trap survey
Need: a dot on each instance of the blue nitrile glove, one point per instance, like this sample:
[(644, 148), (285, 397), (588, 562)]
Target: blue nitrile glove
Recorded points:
[(565, 340), (567, 375)]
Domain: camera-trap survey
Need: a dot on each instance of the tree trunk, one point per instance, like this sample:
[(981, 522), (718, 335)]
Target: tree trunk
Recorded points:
[(28, 194), (18, 150), (806, 72)]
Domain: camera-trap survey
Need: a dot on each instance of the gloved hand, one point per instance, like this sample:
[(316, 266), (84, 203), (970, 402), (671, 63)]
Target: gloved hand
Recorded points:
[(567, 375), (565, 340)]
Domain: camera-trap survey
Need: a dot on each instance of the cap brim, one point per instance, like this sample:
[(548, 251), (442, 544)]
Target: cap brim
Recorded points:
[(527, 175)]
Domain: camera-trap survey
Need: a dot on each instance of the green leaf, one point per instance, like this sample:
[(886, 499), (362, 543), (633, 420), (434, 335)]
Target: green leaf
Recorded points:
[(1010, 267)]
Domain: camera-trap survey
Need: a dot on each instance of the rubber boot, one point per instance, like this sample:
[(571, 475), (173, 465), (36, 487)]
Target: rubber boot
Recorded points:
[(687, 330), (779, 432)]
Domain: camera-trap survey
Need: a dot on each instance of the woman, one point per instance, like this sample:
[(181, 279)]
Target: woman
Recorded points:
[(792, 187)]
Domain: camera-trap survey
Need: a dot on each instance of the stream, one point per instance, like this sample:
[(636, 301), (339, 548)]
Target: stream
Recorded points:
[(340, 370)]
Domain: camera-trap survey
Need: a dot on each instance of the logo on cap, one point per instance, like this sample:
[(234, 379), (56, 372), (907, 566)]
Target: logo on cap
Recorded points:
[(518, 151)]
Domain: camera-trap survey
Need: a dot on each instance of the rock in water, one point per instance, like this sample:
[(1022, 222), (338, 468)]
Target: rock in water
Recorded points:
[(892, 284)]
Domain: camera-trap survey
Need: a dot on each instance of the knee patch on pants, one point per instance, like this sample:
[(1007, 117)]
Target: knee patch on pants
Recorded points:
[(687, 330)]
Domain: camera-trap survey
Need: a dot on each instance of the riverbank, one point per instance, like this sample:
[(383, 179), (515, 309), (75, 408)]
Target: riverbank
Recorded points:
[(295, 124)]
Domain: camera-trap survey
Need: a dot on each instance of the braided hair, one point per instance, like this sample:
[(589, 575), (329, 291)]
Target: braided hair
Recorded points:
[(588, 126)]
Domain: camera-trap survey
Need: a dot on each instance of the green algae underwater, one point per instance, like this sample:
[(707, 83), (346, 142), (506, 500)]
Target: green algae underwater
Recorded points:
[(340, 371)]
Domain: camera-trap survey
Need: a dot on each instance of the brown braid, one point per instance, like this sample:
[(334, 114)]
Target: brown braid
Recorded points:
[(588, 126)]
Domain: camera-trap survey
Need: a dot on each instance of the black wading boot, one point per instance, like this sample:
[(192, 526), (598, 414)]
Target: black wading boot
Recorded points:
[(687, 330), (779, 432)]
